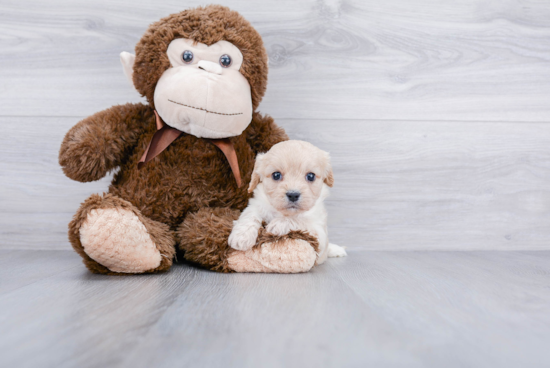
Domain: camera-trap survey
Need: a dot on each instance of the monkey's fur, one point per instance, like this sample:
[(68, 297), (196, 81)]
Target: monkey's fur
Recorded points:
[(186, 197)]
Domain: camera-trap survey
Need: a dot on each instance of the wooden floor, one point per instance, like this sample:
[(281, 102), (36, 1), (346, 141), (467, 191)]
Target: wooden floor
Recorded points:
[(371, 309)]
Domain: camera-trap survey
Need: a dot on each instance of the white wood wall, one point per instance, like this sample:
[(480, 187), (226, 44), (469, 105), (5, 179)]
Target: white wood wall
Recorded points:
[(437, 113)]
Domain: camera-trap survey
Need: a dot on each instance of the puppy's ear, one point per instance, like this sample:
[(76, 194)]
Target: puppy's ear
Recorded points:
[(329, 176), (256, 173)]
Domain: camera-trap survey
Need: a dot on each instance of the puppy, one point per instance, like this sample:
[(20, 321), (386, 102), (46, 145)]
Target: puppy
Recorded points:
[(290, 183)]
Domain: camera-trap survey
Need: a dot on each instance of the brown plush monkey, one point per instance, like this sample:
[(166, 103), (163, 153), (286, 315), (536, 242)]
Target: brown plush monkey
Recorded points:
[(185, 159)]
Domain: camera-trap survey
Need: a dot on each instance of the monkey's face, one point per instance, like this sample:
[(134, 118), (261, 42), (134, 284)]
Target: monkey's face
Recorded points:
[(203, 93), (203, 69)]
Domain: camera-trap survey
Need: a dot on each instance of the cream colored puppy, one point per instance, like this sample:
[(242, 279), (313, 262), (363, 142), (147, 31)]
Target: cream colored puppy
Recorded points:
[(290, 183)]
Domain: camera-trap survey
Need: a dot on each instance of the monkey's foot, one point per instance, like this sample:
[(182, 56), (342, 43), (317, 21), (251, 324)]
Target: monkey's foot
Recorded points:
[(113, 237), (204, 237), (118, 240), (281, 256)]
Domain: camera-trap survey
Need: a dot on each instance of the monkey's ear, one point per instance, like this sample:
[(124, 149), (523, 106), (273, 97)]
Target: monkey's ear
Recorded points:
[(256, 175), (127, 61)]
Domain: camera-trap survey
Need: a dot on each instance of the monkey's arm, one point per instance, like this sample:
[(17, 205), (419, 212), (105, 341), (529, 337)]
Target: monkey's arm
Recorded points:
[(263, 133), (100, 142)]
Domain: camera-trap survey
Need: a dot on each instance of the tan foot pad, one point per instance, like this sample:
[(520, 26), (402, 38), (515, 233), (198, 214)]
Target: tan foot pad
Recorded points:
[(285, 256), (118, 240)]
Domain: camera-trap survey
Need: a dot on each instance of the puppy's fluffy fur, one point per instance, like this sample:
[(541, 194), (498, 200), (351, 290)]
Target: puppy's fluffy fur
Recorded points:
[(286, 198)]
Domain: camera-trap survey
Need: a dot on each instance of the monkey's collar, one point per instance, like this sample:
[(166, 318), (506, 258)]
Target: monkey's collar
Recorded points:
[(165, 135)]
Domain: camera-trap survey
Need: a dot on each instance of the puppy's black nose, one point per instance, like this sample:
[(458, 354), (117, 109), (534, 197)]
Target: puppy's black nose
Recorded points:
[(293, 196)]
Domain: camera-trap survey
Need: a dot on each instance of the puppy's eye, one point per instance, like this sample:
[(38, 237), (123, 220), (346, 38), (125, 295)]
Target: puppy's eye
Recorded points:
[(310, 176), (276, 176), (225, 60), (187, 56)]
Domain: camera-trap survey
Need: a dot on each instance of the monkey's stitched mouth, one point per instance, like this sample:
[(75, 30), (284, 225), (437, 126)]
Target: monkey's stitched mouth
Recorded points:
[(208, 111)]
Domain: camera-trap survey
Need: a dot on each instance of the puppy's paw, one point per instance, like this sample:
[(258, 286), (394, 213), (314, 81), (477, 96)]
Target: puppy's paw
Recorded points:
[(278, 227), (242, 239), (335, 251)]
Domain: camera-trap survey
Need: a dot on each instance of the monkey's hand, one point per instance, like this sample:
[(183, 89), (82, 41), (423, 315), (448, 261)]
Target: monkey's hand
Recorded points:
[(100, 142)]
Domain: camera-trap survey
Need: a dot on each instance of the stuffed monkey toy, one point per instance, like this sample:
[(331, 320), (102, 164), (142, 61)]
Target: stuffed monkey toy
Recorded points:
[(184, 160)]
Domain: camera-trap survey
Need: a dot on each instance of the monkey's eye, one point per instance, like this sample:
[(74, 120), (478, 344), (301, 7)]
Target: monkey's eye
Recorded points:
[(225, 60), (187, 56), (310, 176), (276, 176)]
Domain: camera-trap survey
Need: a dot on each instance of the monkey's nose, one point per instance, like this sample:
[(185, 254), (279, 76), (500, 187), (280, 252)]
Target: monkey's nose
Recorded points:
[(210, 67), (293, 196)]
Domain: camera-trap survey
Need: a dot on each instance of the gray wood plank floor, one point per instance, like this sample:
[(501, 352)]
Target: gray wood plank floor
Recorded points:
[(373, 308)]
